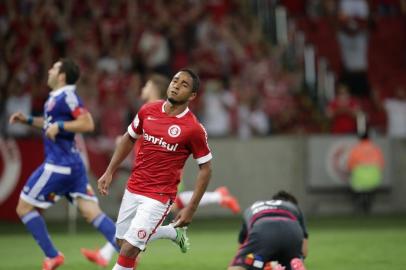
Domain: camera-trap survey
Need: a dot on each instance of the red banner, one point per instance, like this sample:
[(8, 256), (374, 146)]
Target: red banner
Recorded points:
[(19, 158)]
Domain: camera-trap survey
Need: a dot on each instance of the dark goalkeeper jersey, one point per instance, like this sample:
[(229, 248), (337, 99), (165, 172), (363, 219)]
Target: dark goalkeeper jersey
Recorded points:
[(273, 208)]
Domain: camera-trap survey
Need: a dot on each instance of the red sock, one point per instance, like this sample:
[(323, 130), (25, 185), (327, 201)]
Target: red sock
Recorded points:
[(125, 261)]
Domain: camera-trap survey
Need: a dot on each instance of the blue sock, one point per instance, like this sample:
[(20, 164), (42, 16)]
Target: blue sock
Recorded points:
[(107, 227), (34, 222)]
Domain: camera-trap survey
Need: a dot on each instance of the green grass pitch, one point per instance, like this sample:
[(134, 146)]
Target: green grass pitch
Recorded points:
[(351, 243)]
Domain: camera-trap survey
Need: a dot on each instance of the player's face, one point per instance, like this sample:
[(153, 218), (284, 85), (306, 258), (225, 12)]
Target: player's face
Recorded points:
[(53, 74), (180, 88)]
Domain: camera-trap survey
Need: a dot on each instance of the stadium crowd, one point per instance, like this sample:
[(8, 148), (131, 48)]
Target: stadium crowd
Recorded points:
[(363, 43), (248, 88)]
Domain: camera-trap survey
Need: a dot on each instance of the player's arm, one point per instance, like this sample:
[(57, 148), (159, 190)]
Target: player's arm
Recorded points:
[(124, 147), (305, 247), (83, 123), (19, 117), (203, 177), (242, 236)]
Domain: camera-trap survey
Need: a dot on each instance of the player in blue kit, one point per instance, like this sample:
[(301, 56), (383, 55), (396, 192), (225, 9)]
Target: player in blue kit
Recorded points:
[(63, 172)]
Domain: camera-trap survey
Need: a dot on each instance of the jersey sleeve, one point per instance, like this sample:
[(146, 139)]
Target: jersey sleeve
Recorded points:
[(75, 104), (135, 128), (199, 145)]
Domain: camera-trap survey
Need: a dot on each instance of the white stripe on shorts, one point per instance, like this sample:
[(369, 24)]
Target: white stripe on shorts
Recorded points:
[(36, 203), (42, 180), (58, 169), (46, 174)]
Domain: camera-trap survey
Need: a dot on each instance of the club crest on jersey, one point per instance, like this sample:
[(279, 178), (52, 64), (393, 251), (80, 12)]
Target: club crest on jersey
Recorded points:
[(174, 131)]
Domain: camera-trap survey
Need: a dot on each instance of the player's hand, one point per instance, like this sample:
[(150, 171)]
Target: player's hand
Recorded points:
[(18, 117), (103, 183), (183, 218), (52, 131)]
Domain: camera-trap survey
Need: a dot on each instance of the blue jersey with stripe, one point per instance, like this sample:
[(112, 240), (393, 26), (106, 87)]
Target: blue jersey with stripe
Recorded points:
[(62, 104)]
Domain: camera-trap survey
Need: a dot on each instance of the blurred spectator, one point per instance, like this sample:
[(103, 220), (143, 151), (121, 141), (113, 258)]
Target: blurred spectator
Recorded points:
[(396, 113), (133, 92), (330, 8), (295, 8), (107, 63), (87, 90), (180, 56), (353, 41), (111, 84), (113, 117), (4, 74), (217, 103), (252, 119), (376, 114), (387, 7), (365, 162), (154, 49), (342, 111), (403, 7), (314, 8), (18, 100), (206, 59)]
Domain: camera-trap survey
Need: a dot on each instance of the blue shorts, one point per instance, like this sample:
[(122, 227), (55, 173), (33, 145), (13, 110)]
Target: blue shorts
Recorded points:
[(49, 182)]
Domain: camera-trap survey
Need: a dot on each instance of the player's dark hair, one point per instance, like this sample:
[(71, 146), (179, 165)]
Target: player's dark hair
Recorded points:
[(70, 69), (161, 82), (285, 196), (195, 78)]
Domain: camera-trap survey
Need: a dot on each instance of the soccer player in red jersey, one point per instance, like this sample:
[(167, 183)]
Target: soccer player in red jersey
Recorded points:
[(170, 134), (155, 89)]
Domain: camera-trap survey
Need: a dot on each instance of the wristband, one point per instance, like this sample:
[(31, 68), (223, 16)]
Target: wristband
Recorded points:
[(30, 120), (60, 125)]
